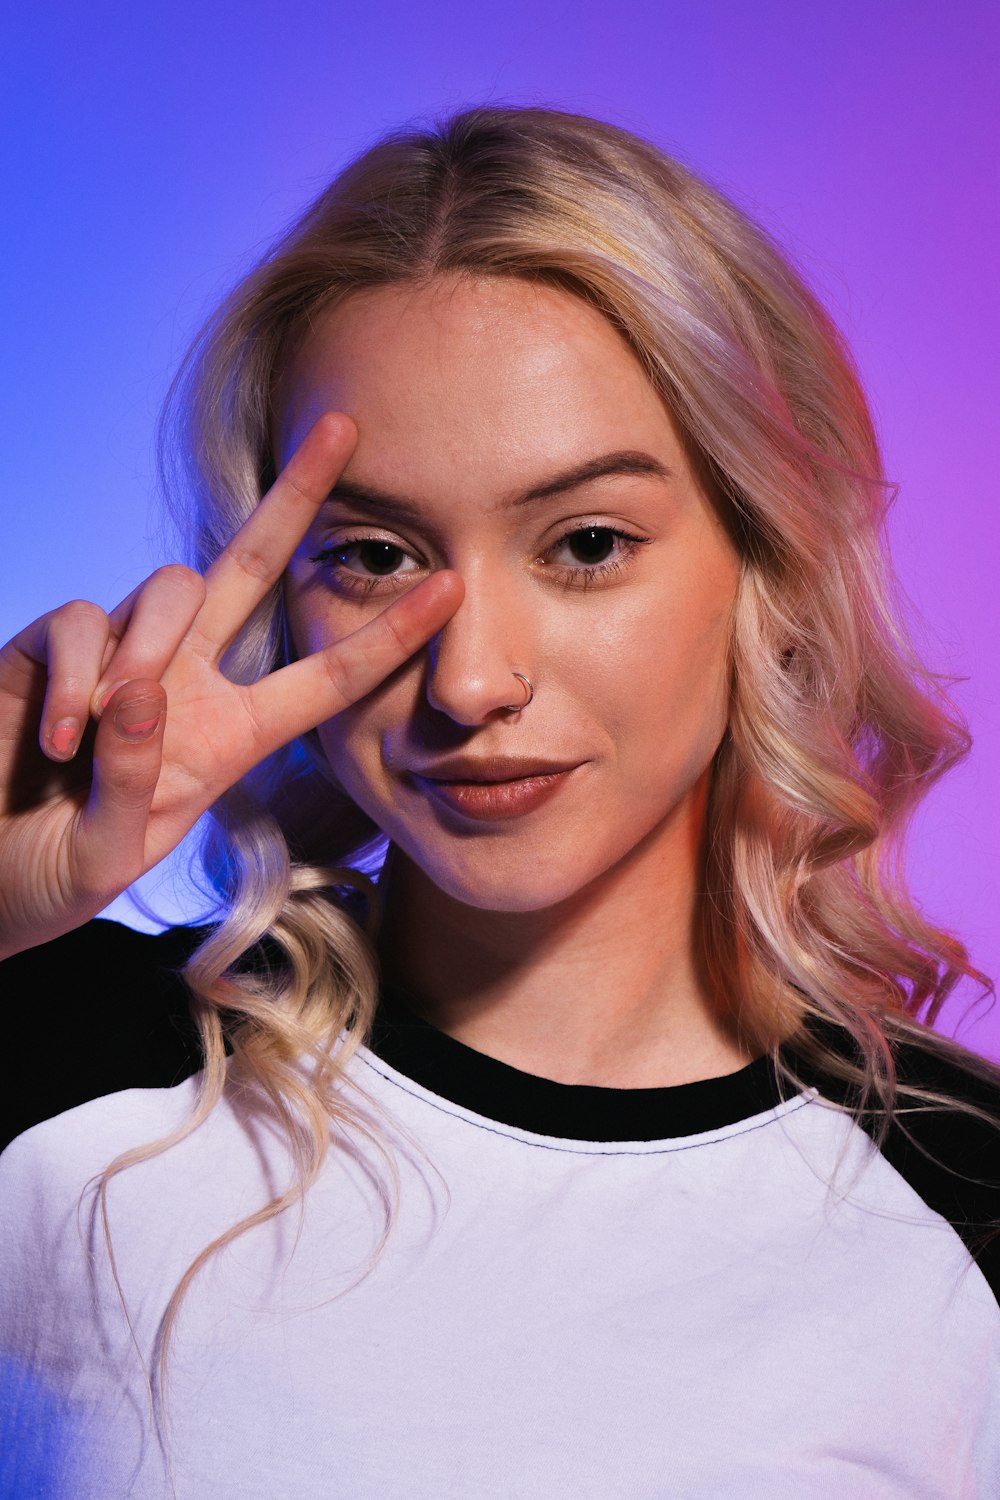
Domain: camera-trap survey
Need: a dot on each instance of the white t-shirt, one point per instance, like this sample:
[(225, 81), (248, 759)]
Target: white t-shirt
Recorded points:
[(698, 1315)]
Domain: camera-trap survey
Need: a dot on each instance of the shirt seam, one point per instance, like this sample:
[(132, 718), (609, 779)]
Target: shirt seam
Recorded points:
[(579, 1148)]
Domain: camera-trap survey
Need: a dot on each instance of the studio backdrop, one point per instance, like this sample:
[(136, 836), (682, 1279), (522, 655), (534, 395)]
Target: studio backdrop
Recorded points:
[(150, 152)]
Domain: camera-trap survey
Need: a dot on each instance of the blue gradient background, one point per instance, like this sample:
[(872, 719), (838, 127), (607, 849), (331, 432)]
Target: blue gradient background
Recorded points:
[(150, 153)]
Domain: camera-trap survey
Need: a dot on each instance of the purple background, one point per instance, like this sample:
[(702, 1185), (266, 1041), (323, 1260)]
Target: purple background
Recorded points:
[(149, 152)]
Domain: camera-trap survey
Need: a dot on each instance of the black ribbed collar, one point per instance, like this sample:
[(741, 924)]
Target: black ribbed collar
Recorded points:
[(582, 1112)]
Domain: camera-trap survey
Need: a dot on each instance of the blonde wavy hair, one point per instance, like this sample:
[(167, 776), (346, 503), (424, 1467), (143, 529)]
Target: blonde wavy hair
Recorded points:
[(836, 730)]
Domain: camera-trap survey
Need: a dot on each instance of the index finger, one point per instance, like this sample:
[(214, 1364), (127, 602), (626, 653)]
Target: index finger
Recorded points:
[(255, 558)]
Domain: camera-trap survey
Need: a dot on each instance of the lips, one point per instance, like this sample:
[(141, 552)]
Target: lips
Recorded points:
[(495, 768), (488, 790)]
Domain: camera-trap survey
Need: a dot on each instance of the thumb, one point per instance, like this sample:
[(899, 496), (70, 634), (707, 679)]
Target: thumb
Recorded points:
[(128, 751)]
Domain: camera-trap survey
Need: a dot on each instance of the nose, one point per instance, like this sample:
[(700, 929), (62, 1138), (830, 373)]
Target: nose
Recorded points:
[(474, 658)]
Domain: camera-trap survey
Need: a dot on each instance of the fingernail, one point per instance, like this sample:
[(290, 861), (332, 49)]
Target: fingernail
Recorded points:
[(64, 736), (133, 722), (110, 692)]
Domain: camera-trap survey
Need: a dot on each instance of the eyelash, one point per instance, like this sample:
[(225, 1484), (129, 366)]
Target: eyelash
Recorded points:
[(581, 577)]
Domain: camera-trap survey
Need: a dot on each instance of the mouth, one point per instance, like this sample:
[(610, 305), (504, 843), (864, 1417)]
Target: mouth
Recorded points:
[(472, 793)]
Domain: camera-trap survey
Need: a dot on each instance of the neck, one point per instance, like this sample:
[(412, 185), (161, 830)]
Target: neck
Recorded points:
[(604, 988)]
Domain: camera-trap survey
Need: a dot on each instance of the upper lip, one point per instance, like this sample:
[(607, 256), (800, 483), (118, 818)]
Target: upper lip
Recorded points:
[(490, 768)]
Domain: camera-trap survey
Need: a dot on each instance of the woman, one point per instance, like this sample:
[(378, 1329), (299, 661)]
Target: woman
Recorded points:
[(601, 1146)]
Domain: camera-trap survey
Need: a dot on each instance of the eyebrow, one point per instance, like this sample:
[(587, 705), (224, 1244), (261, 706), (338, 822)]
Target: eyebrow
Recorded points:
[(607, 465)]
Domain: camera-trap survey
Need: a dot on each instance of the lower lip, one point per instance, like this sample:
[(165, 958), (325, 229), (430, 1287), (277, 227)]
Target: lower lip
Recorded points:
[(490, 800)]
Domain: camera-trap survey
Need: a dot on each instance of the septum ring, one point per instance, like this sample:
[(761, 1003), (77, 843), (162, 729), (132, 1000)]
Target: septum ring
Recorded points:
[(514, 708)]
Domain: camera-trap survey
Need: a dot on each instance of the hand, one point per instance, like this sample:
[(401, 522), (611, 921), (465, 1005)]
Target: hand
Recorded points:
[(84, 814)]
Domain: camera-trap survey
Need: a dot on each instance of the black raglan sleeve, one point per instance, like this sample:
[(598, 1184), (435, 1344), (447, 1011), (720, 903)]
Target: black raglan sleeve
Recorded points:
[(100, 1009), (950, 1157)]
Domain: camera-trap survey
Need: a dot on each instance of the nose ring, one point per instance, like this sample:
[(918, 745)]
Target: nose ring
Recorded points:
[(514, 708)]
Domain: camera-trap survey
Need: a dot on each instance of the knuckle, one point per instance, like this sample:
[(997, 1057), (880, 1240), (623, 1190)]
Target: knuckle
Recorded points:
[(340, 677), (70, 686), (132, 785), (199, 644), (397, 638), (80, 613), (180, 578), (292, 483), (254, 563)]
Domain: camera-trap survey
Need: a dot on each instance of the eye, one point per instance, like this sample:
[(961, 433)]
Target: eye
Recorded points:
[(361, 563), (380, 558), (588, 554), (592, 544)]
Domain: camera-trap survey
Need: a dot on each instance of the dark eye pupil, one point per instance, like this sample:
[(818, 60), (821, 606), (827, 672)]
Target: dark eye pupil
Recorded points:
[(379, 557), (592, 543)]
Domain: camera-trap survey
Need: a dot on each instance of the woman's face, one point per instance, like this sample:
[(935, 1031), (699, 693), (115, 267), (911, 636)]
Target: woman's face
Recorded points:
[(506, 431)]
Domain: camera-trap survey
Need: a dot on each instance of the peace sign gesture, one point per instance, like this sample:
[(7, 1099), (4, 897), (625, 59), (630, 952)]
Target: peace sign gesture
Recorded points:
[(81, 815)]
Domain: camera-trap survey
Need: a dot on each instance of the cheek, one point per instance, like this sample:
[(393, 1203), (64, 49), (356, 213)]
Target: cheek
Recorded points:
[(672, 646), (356, 736), (673, 675), (357, 741), (350, 744), (315, 618)]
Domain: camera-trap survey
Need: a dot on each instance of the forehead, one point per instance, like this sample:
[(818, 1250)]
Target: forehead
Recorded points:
[(484, 375)]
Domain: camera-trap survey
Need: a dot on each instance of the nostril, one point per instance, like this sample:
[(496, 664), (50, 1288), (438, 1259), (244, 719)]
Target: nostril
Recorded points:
[(472, 696)]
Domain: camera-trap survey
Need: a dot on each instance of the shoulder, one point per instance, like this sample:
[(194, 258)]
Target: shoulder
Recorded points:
[(48, 1180), (946, 1125), (63, 1153), (948, 1145), (98, 1010), (943, 1136)]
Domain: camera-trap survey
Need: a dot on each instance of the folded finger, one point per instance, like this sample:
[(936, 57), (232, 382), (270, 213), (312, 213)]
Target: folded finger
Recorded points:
[(148, 627), (75, 638), (249, 567)]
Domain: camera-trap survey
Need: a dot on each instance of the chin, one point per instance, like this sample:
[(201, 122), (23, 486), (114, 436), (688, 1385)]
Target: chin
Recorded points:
[(510, 898), (494, 884)]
